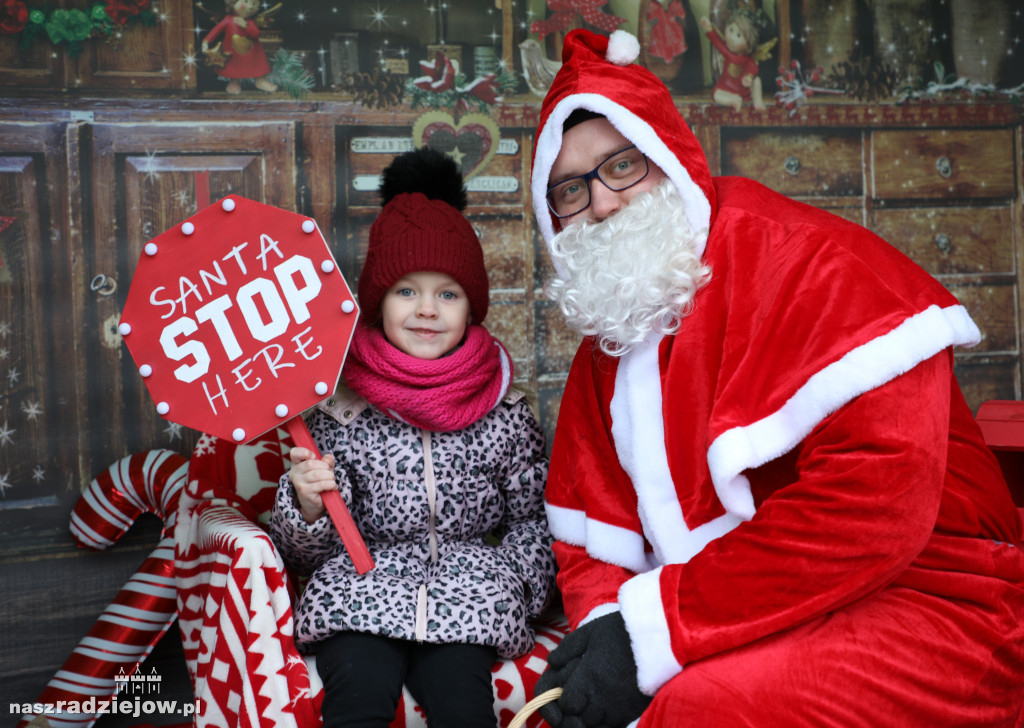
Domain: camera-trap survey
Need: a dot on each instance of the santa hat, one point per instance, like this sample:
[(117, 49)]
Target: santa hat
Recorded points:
[(598, 74), (421, 228)]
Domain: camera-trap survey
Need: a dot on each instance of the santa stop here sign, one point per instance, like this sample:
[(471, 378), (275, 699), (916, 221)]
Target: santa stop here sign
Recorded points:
[(238, 319)]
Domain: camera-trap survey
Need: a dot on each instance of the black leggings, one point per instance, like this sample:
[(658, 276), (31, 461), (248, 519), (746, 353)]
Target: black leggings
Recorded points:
[(363, 676)]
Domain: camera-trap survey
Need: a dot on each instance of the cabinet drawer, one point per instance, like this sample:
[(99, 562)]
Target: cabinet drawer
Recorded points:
[(942, 163), (993, 307), (951, 240), (805, 164), (985, 378)]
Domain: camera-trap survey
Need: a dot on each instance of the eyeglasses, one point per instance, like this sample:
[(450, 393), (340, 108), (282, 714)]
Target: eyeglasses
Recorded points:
[(618, 172)]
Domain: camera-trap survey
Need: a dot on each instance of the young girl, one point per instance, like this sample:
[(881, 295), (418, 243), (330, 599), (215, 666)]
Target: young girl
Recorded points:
[(442, 466)]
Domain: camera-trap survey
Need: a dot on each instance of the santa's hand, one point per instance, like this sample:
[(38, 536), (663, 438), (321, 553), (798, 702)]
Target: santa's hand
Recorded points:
[(595, 668)]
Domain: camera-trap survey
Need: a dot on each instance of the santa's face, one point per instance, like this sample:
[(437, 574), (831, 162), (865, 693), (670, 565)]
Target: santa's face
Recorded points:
[(631, 275), (584, 147)]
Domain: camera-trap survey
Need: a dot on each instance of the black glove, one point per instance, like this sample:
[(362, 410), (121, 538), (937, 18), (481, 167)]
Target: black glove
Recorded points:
[(595, 668)]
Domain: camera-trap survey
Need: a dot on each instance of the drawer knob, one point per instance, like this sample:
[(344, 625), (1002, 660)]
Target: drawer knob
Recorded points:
[(792, 165), (944, 166), (943, 243)]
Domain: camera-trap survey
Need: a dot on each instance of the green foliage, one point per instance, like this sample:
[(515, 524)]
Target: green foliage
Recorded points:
[(290, 75)]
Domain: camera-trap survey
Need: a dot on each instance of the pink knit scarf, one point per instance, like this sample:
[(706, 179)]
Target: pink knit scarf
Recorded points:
[(440, 395)]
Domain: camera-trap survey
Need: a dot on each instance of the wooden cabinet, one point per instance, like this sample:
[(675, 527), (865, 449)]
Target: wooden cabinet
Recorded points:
[(948, 199), (947, 196)]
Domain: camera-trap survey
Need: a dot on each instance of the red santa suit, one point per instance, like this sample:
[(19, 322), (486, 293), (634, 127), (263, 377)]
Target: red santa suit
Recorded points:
[(789, 500), (246, 58)]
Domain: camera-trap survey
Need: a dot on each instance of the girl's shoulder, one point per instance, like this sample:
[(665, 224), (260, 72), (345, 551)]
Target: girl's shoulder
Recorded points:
[(344, 405)]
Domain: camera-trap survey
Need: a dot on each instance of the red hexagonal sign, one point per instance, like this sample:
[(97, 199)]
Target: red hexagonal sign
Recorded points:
[(238, 319)]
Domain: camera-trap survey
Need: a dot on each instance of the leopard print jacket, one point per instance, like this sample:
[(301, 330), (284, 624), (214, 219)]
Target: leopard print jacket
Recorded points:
[(454, 521)]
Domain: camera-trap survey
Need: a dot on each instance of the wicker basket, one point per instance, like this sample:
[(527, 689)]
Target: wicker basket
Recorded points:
[(530, 708)]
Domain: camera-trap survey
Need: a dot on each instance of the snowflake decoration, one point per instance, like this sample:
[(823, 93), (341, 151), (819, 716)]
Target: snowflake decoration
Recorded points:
[(31, 410), (38, 474), (4, 484), (6, 434), (150, 167), (173, 431), (5, 328), (205, 446), (12, 376)]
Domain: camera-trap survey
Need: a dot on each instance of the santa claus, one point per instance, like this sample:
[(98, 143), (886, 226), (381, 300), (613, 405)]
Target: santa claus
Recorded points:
[(773, 506)]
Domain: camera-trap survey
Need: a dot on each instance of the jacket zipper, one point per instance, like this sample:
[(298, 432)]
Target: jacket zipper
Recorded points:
[(428, 479)]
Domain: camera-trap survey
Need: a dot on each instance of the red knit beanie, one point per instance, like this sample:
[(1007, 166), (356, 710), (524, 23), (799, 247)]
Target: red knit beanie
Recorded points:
[(414, 233)]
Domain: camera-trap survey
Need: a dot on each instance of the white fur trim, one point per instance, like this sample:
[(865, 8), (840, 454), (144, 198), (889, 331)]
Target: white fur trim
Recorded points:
[(612, 544), (643, 611), (640, 133), (599, 611), (868, 366), (639, 435), (623, 48), (567, 524)]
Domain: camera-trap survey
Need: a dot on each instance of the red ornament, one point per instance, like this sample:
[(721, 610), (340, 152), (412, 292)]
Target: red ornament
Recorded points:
[(13, 16), (121, 10)]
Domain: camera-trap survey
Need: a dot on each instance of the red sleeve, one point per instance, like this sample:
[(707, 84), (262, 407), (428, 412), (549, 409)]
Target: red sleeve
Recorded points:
[(868, 484), (590, 503)]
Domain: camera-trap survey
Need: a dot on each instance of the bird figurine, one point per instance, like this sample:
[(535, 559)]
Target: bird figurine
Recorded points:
[(538, 70)]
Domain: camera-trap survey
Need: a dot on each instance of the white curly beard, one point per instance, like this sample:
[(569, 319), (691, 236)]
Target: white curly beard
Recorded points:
[(630, 275)]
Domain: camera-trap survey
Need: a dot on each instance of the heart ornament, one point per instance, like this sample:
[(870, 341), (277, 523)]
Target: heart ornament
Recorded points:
[(472, 141)]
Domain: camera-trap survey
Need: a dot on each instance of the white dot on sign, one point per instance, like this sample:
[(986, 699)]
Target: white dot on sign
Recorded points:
[(188, 228), (145, 370), (327, 266), (238, 433), (228, 205), (308, 226), (163, 408), (321, 388), (347, 307), (281, 410), (150, 248), (124, 329)]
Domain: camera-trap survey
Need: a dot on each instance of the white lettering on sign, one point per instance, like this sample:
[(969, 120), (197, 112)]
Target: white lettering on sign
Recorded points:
[(176, 352), (267, 310)]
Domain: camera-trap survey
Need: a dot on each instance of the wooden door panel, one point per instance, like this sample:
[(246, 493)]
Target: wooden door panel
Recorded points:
[(145, 181), (37, 440)]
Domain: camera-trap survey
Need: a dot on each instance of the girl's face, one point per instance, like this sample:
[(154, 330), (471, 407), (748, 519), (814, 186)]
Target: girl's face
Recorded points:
[(735, 40), (425, 314), (246, 8)]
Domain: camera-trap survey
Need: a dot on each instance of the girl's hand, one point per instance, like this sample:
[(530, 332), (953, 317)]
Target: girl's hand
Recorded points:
[(239, 20), (311, 476)]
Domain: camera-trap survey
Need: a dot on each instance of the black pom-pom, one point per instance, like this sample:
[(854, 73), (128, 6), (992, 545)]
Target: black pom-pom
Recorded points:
[(425, 170)]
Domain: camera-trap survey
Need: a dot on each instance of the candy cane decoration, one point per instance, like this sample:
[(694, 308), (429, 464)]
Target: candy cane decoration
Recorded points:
[(131, 625)]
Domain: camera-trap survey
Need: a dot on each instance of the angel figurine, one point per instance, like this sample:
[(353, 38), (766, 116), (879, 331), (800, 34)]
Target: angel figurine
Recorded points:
[(240, 54), (739, 81)]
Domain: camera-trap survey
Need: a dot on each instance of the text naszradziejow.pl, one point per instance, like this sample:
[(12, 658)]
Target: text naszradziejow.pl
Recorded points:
[(97, 706)]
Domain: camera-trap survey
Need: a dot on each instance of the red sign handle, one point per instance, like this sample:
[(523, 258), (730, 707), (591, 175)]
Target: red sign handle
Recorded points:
[(336, 507)]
